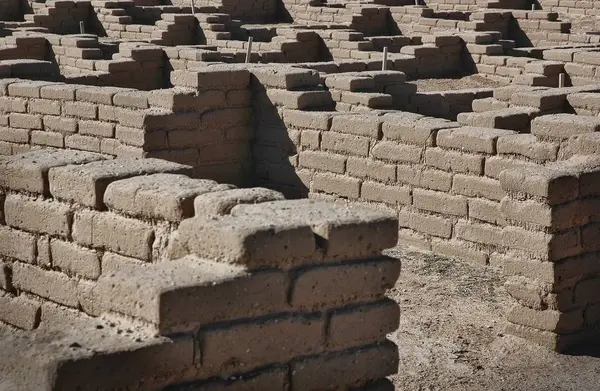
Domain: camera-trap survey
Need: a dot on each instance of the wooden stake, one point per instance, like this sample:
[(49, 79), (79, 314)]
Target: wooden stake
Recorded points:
[(385, 56), (193, 8), (82, 27), (561, 80), (249, 52)]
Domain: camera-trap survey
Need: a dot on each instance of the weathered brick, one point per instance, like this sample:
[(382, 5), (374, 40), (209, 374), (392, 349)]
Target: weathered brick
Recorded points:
[(458, 249), (80, 110), (122, 235), (395, 152), (26, 121), (337, 184), (49, 284), (322, 161), (17, 244), (435, 201), (86, 184), (436, 180), (19, 311), (479, 233), (338, 142), (485, 210), (97, 128), (471, 139), (326, 286), (362, 324), (60, 124), (454, 161), (36, 215), (554, 184), (273, 340), (50, 139), (378, 192), (345, 368), (428, 224), (360, 125), (472, 186), (73, 259), (373, 169), (559, 322)]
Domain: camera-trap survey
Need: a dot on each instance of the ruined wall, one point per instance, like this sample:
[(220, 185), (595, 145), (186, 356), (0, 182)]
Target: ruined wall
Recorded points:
[(207, 128), (247, 11), (253, 291)]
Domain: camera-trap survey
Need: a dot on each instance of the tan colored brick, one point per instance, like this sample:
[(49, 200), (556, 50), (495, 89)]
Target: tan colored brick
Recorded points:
[(436, 180), (378, 192), (96, 128), (362, 324), (59, 124), (346, 368), (36, 215), (44, 256), (308, 119), (357, 281), (485, 210), (360, 125), (17, 244), (472, 186), (76, 260), (479, 233), (372, 169), (273, 340), (49, 284), (556, 185), (338, 142), (337, 184), (471, 139), (322, 161), (122, 235), (494, 165), (310, 139), (428, 224), (542, 245), (80, 110), (86, 184), (453, 161), (50, 139), (395, 152), (458, 249), (559, 322), (19, 311), (44, 106), (83, 143), (25, 121), (440, 202)]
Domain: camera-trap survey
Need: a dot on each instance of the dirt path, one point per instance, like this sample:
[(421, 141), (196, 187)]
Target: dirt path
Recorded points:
[(451, 334)]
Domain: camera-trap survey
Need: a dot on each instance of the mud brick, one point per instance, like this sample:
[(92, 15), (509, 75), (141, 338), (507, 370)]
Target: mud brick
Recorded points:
[(59, 124), (494, 165), (411, 129), (563, 126), (485, 210), (87, 183), (362, 324), (29, 172), (345, 368), (300, 100), (558, 217), (360, 125), (19, 311), (586, 291), (134, 99), (29, 89), (395, 152), (473, 186), (471, 139), (122, 235), (551, 247), (73, 259), (479, 233), (97, 128), (373, 169), (323, 161), (48, 284), (454, 161), (220, 292), (13, 105), (338, 142), (457, 249), (559, 322), (14, 135), (80, 110), (337, 184), (325, 286), (44, 255), (64, 92), (555, 185), (159, 196), (149, 140), (36, 215), (427, 224), (17, 244), (435, 201), (214, 77), (529, 146), (396, 194), (308, 120), (220, 203), (337, 227), (434, 179), (25, 121), (273, 340), (310, 139), (227, 118), (285, 78), (44, 106)]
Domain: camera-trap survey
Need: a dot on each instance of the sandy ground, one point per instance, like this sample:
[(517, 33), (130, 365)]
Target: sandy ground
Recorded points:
[(458, 83), (451, 334)]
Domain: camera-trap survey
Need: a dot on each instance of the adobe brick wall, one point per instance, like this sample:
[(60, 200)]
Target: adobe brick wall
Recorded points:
[(208, 128), (210, 281)]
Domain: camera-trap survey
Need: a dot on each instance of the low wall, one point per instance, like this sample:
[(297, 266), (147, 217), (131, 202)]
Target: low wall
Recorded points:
[(210, 282)]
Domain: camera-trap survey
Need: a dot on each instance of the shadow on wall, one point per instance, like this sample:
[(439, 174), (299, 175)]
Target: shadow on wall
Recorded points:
[(274, 148)]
